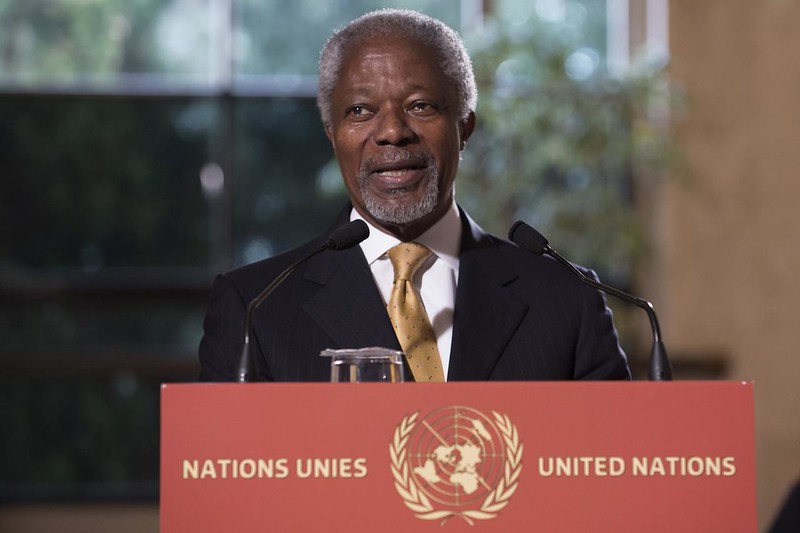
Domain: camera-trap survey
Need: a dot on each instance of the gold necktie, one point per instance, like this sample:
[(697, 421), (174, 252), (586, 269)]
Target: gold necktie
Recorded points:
[(407, 313)]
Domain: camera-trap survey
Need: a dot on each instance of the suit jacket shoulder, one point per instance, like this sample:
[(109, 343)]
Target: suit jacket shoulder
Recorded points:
[(523, 316)]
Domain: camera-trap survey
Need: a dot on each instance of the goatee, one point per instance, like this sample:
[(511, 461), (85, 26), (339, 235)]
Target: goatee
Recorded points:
[(402, 212)]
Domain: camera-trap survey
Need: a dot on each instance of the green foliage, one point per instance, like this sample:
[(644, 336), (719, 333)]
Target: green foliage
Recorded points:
[(560, 144), (67, 40)]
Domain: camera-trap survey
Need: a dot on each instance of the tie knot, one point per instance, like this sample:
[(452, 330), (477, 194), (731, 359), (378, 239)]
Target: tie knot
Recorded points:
[(406, 259)]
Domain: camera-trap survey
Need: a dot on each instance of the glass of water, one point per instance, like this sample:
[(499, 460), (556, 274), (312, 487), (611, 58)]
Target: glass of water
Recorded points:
[(365, 364)]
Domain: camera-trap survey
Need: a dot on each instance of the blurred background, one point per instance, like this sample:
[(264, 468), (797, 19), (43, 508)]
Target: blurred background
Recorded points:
[(146, 145)]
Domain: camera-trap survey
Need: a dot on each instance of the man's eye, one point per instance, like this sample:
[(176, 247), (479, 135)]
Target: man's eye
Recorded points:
[(423, 108), (358, 111)]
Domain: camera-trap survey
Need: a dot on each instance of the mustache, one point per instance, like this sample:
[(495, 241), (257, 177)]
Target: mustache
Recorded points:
[(395, 156)]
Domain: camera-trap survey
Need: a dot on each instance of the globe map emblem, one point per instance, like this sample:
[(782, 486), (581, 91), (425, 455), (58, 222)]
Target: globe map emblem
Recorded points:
[(456, 456)]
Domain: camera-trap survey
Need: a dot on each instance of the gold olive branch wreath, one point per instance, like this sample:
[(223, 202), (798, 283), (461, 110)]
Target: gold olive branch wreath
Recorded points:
[(417, 501)]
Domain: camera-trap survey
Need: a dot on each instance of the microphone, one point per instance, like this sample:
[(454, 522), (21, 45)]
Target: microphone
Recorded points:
[(532, 241), (341, 238)]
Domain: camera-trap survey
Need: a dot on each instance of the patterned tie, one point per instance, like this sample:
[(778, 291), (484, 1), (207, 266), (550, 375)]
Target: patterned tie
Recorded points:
[(407, 313)]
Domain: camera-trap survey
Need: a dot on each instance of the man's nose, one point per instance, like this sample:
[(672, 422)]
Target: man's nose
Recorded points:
[(392, 128)]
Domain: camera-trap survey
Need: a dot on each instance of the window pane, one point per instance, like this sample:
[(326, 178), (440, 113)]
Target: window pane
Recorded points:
[(288, 187), (93, 184), (104, 227), (74, 41), (579, 21)]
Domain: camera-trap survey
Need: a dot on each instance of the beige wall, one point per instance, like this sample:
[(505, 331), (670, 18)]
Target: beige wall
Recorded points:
[(729, 237)]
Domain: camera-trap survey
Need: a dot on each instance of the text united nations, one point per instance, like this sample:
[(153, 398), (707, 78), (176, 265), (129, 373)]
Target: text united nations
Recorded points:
[(662, 466)]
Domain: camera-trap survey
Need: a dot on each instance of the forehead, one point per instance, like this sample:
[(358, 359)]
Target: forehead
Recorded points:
[(400, 58)]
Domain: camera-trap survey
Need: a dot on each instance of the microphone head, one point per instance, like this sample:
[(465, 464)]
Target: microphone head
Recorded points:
[(527, 238), (347, 236)]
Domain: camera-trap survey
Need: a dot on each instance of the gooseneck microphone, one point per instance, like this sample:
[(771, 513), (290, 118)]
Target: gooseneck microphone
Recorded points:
[(341, 238), (532, 241)]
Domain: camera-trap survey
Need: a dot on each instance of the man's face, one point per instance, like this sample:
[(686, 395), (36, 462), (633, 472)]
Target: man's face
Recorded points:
[(396, 134)]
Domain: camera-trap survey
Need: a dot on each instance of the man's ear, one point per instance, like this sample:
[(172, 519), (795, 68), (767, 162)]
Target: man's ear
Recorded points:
[(329, 135), (466, 127)]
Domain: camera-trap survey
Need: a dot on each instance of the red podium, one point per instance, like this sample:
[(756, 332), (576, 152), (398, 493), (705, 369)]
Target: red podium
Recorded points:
[(622, 457)]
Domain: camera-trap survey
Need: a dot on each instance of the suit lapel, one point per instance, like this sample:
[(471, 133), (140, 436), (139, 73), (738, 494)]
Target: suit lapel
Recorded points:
[(486, 313), (348, 307)]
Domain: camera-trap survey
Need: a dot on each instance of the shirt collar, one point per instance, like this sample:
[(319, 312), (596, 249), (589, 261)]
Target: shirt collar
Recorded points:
[(443, 238)]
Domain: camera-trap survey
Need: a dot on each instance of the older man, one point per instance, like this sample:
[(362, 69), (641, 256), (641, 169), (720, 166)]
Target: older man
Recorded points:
[(397, 97)]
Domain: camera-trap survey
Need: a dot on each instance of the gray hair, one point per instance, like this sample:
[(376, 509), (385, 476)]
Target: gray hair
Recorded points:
[(447, 45)]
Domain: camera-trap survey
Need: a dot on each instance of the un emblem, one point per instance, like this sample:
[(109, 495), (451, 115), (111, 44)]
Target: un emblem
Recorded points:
[(456, 461)]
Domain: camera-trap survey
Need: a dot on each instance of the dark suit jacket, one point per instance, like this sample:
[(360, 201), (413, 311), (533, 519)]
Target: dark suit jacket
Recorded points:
[(517, 316)]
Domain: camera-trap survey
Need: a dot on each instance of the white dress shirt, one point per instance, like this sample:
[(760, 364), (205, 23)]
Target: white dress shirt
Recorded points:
[(435, 280)]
